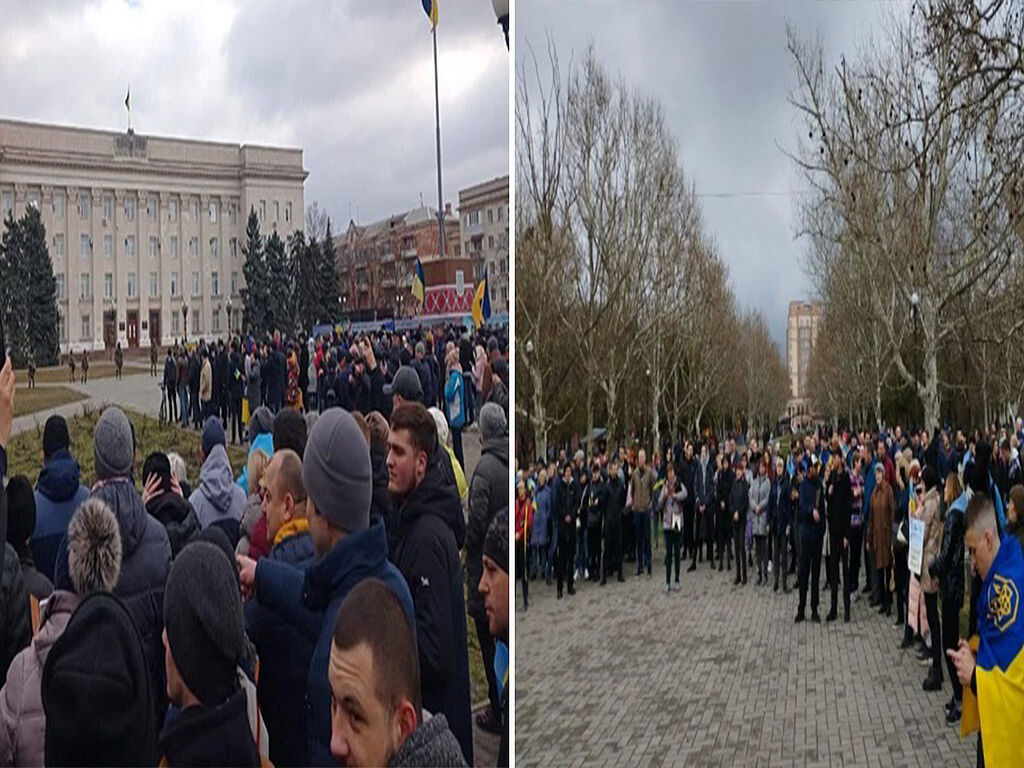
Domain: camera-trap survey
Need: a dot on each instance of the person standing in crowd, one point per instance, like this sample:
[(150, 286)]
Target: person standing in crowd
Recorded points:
[(812, 534), (855, 465), (932, 541), (165, 501), (428, 557), (567, 507), (641, 491), (21, 521), (455, 400), (171, 385), (1015, 513), (948, 569), (218, 500), (780, 518), (616, 491), (739, 501), (494, 587), (703, 505), (879, 539), (337, 477), (58, 493), (181, 382), (760, 498), (670, 504), (235, 387), (195, 375), (524, 514), (254, 379), (597, 509), (723, 520), (839, 498), (686, 471), (541, 535), (71, 367), (206, 386), (119, 362), (273, 376)]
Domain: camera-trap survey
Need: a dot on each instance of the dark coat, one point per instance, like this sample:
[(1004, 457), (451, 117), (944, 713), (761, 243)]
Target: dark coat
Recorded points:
[(567, 505), (739, 499), (310, 601), (703, 484), (273, 375), (723, 490), (195, 366), (839, 503), (488, 493), (380, 502), (177, 517), (780, 506), (808, 502), (428, 557), (58, 494), (170, 373), (284, 654), (686, 472), (949, 565), (218, 735), (16, 630)]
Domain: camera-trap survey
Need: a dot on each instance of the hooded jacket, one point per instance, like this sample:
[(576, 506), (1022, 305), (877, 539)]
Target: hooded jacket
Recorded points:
[(217, 497), (22, 720), (309, 601), (218, 735), (431, 744), (59, 493), (760, 496), (177, 517), (488, 492), (428, 557)]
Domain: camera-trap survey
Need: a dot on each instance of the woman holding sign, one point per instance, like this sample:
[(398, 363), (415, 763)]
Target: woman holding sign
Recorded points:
[(929, 511)]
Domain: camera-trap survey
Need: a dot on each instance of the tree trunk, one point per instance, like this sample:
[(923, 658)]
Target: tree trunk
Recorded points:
[(540, 424)]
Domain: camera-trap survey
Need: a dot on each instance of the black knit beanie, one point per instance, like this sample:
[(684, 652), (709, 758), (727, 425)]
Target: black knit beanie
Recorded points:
[(21, 511), (496, 539)]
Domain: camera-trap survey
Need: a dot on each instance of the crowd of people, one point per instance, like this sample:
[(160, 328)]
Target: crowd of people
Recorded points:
[(778, 508), (311, 611)]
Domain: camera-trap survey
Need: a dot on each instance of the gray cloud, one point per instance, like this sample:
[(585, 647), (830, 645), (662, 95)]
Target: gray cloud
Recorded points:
[(722, 74), (349, 82)]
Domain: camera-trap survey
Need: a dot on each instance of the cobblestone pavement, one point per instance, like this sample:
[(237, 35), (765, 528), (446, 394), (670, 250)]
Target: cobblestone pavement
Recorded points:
[(717, 675)]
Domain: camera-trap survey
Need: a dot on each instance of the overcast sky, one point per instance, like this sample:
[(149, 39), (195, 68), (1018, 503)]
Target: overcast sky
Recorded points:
[(722, 74), (350, 82)]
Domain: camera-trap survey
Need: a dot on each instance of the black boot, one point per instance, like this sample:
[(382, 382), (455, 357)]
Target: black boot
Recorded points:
[(933, 682), (693, 567)]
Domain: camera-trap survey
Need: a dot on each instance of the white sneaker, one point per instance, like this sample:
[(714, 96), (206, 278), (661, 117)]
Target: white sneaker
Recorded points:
[(586, 573), (666, 589), (769, 567)]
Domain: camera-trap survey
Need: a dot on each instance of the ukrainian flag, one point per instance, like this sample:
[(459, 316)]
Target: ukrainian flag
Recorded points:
[(430, 6), (1000, 664), (419, 282), (482, 302)]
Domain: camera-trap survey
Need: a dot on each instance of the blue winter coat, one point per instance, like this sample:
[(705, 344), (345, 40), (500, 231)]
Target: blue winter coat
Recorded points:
[(454, 399), (807, 504), (780, 506), (58, 494), (284, 655), (263, 442), (309, 601), (541, 517)]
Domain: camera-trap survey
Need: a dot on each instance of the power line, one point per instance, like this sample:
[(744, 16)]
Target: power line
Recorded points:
[(768, 193)]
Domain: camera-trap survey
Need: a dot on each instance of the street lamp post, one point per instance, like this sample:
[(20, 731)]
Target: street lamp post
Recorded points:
[(184, 321), (501, 11), (229, 318)]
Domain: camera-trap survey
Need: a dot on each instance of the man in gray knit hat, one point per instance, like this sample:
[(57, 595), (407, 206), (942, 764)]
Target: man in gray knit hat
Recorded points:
[(337, 478)]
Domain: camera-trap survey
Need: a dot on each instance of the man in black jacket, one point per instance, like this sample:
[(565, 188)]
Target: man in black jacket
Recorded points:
[(218, 370), (195, 365), (739, 502), (170, 386), (838, 500), (567, 502), (597, 505), (616, 500), (948, 568), (685, 471), (429, 513), (704, 507)]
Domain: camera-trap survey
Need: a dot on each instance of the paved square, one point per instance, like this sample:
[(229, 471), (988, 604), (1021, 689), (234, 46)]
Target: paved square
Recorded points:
[(717, 675)]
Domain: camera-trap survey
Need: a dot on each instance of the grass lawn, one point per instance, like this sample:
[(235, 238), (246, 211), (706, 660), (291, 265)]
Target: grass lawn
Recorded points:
[(28, 401), (100, 368), (25, 452)]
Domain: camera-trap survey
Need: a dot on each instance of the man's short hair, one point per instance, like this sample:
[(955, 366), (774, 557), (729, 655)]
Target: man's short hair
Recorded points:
[(372, 614), (418, 422), (981, 512), (289, 473)]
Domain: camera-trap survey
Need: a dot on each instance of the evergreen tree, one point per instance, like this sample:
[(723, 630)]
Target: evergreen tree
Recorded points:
[(304, 280), (256, 293), (28, 291), (279, 289), (327, 278)]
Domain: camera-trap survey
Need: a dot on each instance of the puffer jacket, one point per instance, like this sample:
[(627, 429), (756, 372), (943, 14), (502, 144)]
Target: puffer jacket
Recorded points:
[(177, 517), (948, 567), (59, 492), (760, 495), (929, 512), (488, 492), (217, 497), (432, 743), (22, 720), (739, 499), (542, 517)]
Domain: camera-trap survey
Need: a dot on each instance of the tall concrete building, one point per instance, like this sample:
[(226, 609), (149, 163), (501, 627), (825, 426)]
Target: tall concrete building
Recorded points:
[(801, 335), (146, 232), (483, 221)]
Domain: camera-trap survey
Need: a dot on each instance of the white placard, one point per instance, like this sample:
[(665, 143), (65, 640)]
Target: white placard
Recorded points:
[(916, 552)]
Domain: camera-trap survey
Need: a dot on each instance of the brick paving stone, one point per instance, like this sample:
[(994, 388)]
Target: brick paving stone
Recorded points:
[(717, 675)]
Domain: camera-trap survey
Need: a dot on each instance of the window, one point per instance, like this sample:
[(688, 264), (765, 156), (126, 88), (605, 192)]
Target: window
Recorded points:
[(234, 283), (195, 321), (84, 205), (152, 207), (213, 247), (263, 211), (63, 328), (175, 323), (108, 245), (154, 285), (58, 205), (277, 211), (129, 208), (174, 246), (172, 210), (490, 215), (33, 200), (195, 283), (216, 321), (174, 284), (490, 242), (86, 327), (195, 209), (500, 214), (132, 287), (58, 245), (60, 286), (234, 247), (6, 203), (85, 246), (193, 247), (154, 247), (84, 286), (215, 283), (287, 211), (129, 245), (474, 218), (108, 207), (213, 211), (233, 213), (108, 286)]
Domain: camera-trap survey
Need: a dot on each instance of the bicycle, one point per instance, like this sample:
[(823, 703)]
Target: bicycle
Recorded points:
[(163, 404)]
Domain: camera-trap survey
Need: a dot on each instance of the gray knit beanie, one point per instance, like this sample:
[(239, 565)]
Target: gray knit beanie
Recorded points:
[(492, 421), (336, 471), (203, 619), (112, 446)]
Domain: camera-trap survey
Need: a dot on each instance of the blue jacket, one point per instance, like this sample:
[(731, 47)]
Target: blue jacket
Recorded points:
[(263, 442), (808, 502), (455, 399), (541, 517), (58, 494), (284, 653), (309, 601), (780, 507)]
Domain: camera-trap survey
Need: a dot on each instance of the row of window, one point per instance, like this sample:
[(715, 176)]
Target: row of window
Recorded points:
[(473, 218), (85, 246), (194, 325), (85, 285)]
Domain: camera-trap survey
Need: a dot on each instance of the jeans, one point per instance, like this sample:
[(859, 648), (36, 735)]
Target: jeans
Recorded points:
[(950, 641), (739, 541), (457, 445), (523, 573), (172, 404), (882, 575), (594, 551), (810, 566), (839, 561), (855, 535), (656, 531), (581, 549), (183, 397), (673, 543), (761, 552), (563, 567), (781, 556), (642, 523), (539, 561), (552, 553), (931, 607)]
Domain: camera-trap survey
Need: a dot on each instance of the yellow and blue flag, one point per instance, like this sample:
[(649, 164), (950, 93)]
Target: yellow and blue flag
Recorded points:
[(1000, 664), (430, 6), (482, 302), (419, 282)]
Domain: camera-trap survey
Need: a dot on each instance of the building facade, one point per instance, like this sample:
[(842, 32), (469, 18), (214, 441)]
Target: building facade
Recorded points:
[(145, 233), (484, 228), (801, 335), (376, 261)]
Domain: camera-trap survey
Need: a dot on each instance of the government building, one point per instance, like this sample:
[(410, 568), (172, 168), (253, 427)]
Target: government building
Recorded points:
[(801, 335), (146, 232)]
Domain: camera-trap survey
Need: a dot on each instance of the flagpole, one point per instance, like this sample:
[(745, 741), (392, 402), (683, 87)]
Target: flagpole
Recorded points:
[(437, 125)]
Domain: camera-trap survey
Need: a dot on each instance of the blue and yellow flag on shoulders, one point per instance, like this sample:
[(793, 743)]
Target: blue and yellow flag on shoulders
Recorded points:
[(1000, 664), (430, 6), (482, 302), (419, 282)]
